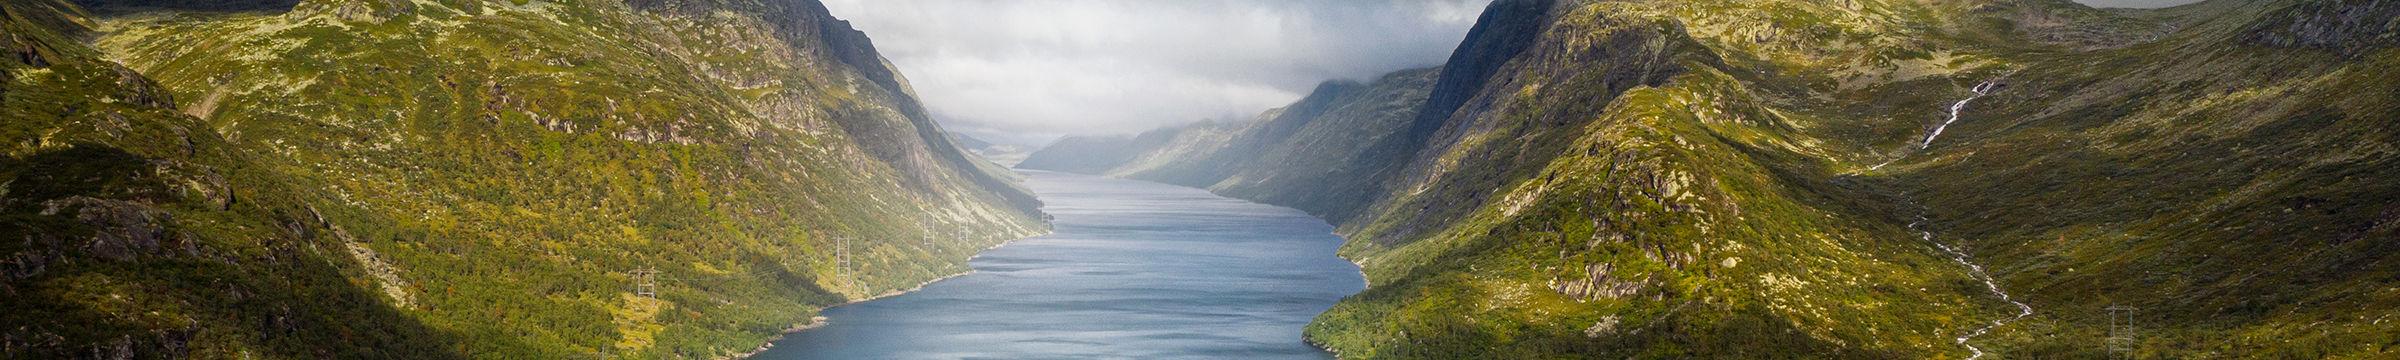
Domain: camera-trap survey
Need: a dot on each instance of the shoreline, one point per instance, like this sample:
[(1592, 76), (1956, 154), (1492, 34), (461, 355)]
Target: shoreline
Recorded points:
[(821, 321), (1362, 277)]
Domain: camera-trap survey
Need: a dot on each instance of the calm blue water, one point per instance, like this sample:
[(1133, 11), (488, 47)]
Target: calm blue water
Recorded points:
[(1134, 270)]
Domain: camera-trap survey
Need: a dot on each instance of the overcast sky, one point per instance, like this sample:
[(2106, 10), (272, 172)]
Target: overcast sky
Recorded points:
[(1026, 71)]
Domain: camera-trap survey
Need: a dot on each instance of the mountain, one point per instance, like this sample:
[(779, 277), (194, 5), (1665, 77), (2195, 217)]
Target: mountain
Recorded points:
[(1097, 154), (1854, 179), (1308, 155), (1003, 155), (463, 178)]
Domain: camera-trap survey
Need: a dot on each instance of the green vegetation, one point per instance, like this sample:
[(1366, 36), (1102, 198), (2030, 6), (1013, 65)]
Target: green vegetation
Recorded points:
[(1675, 179), (365, 178)]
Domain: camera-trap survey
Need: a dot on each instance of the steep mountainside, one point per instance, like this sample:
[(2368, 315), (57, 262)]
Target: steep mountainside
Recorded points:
[(426, 179), (1868, 179), (1313, 155)]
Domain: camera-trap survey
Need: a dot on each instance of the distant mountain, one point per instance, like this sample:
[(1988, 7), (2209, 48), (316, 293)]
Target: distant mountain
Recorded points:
[(1004, 155), (1851, 179), (462, 178), (1097, 154)]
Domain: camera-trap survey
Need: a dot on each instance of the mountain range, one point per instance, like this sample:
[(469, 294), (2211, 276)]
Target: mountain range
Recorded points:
[(1846, 179)]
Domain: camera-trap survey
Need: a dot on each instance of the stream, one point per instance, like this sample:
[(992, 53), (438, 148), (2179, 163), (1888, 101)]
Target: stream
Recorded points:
[(1925, 230)]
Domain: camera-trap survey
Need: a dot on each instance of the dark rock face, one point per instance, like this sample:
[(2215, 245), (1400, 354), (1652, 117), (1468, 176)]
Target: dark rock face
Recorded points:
[(121, 230), (140, 90), (23, 51), (1582, 76), (1506, 28), (2349, 27)]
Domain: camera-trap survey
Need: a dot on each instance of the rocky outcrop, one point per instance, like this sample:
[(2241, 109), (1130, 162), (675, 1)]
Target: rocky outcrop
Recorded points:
[(120, 230), (2349, 27)]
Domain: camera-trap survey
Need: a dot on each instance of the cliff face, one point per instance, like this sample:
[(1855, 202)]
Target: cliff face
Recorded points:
[(1762, 178), (343, 178)]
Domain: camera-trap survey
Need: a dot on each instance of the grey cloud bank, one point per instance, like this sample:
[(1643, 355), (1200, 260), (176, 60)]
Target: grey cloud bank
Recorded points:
[(1027, 71)]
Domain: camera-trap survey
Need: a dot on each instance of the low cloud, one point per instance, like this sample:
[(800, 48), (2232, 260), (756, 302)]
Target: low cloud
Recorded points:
[(1025, 71)]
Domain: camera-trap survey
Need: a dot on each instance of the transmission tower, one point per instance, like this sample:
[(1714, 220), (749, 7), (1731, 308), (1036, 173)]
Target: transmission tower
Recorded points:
[(2120, 331), (842, 256), (645, 282)]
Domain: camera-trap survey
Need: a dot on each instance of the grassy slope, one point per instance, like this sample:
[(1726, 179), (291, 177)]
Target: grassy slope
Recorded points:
[(1644, 181), (491, 171), (134, 230), (2140, 176), (2234, 187), (1677, 179)]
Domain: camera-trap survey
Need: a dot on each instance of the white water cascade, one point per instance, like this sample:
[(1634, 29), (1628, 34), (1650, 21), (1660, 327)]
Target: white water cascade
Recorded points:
[(1978, 92), (1975, 271)]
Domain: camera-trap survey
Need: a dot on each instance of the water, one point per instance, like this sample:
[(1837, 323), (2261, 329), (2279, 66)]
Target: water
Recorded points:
[(1978, 92), (1134, 270)]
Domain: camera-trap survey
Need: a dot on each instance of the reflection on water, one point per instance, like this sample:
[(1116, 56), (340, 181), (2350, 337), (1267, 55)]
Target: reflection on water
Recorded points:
[(1135, 270)]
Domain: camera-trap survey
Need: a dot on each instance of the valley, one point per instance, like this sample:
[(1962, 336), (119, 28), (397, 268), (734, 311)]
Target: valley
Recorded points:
[(675, 179), (1867, 179)]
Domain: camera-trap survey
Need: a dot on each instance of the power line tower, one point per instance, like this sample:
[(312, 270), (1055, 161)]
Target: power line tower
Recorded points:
[(928, 233), (645, 282), (842, 256), (2120, 331)]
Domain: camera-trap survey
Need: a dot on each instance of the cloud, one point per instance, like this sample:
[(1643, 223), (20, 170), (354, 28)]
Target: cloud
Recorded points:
[(1024, 71)]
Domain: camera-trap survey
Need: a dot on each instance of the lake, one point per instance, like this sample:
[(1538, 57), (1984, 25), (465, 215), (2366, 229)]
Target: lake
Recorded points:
[(1133, 270)]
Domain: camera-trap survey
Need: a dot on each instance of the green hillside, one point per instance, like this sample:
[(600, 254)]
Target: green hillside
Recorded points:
[(461, 178), (1747, 178)]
